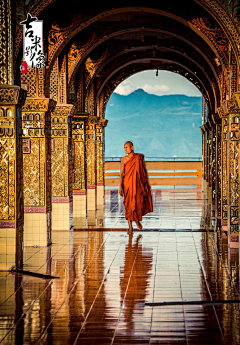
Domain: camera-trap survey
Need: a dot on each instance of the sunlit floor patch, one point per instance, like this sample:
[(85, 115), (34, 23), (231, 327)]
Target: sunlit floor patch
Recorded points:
[(171, 210)]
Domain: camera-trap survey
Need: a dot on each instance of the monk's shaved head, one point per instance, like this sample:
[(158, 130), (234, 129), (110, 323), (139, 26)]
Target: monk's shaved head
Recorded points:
[(129, 143), (128, 147)]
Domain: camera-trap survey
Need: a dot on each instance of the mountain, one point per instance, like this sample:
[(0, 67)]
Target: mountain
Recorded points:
[(158, 126)]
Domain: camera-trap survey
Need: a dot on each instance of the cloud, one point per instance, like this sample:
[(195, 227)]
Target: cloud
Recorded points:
[(156, 89), (125, 88)]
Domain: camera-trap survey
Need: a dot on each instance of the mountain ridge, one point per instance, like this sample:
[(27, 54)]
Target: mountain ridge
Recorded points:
[(159, 126), (140, 90)]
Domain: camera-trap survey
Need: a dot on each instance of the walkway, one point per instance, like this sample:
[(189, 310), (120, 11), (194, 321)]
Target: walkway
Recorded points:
[(159, 286)]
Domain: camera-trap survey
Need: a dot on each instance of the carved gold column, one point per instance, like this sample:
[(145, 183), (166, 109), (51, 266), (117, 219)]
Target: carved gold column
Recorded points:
[(61, 166), (80, 89), (208, 174), (210, 140), (90, 98), (209, 147), (234, 170), (11, 188), (224, 159), (6, 51), (232, 113), (37, 171), (205, 152), (202, 129), (79, 170), (91, 168), (204, 177), (236, 98), (62, 97), (54, 82), (213, 173), (102, 123), (218, 172), (33, 81)]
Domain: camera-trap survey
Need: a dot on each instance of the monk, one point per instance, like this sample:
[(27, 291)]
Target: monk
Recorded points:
[(134, 187)]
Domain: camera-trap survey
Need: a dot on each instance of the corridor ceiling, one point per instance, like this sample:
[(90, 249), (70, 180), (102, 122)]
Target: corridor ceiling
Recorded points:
[(117, 39)]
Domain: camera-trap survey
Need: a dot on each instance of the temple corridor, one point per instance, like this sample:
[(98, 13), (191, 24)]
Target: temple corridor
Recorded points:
[(93, 286), (69, 272)]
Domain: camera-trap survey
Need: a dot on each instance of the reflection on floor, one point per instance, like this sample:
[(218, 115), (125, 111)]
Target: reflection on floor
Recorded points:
[(102, 282), (173, 209)]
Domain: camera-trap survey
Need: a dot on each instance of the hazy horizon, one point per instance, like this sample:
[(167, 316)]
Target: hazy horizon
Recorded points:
[(166, 83)]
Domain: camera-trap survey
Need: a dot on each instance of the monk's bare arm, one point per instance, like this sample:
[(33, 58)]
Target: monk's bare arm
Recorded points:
[(146, 184), (121, 177)]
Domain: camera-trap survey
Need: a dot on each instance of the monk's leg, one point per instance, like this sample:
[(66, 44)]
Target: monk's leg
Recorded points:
[(139, 225), (130, 228)]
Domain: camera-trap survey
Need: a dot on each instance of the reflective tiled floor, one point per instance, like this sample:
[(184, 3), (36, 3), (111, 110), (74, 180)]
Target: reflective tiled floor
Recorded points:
[(103, 281), (173, 210)]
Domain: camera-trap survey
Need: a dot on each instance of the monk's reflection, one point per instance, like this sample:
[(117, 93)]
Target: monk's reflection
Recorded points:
[(135, 276)]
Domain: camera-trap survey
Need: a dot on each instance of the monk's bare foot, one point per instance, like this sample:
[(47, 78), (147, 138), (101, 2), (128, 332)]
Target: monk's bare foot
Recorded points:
[(130, 228), (130, 231), (139, 225)]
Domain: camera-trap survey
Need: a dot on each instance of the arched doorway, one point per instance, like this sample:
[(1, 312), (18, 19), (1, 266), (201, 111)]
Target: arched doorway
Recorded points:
[(52, 169)]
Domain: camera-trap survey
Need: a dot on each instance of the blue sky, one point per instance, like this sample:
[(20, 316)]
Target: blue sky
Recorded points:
[(167, 83)]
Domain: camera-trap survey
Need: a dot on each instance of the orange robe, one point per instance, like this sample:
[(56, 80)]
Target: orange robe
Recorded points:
[(136, 201)]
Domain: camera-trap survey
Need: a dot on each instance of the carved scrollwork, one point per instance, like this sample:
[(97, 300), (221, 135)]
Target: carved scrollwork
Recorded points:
[(59, 120), (64, 110), (231, 107), (92, 120), (236, 98), (225, 18), (220, 112), (44, 104), (78, 140), (12, 95), (102, 122)]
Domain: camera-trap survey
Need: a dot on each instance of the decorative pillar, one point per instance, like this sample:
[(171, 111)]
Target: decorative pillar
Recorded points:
[(213, 173), (61, 167), (100, 167), (232, 113), (100, 160), (90, 99), (206, 153), (62, 97), (91, 167), (54, 82), (79, 170), (37, 171), (11, 188), (202, 128), (209, 175), (6, 51), (224, 130), (236, 98), (203, 151), (210, 144), (80, 89), (218, 173), (204, 175)]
